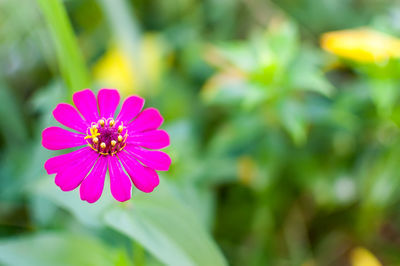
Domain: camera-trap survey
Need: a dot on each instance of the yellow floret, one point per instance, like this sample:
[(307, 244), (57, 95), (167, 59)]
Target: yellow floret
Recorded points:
[(362, 45)]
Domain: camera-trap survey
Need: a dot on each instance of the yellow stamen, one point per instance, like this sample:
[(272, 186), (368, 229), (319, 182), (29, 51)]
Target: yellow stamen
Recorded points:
[(93, 133), (120, 128), (101, 122), (113, 143), (120, 138), (95, 140), (120, 149), (112, 122), (103, 145)]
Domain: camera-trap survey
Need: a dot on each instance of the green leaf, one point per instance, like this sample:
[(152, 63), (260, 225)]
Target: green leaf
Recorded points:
[(238, 54), (226, 90), (70, 59), (305, 74), (384, 93), (158, 221), (293, 120), (167, 229), (283, 40), (88, 214), (11, 115), (55, 249)]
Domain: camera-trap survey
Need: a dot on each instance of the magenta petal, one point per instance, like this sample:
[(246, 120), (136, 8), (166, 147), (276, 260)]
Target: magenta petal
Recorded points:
[(149, 119), (92, 186), (56, 138), (73, 174), (155, 139), (120, 185), (154, 159), (108, 100), (68, 116), (57, 163), (130, 109), (144, 178), (85, 101)]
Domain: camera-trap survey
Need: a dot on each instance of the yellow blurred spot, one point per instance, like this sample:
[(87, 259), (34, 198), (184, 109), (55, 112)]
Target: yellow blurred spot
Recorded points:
[(116, 69), (363, 257), (246, 169), (362, 45)]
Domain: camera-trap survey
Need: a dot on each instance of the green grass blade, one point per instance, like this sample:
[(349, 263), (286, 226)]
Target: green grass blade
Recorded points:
[(70, 59)]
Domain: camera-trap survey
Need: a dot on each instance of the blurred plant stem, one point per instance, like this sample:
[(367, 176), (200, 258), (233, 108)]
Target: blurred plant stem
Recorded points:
[(138, 254), (70, 59), (126, 32)]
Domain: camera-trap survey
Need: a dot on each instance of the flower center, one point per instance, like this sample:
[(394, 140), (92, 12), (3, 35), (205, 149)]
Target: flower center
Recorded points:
[(107, 137)]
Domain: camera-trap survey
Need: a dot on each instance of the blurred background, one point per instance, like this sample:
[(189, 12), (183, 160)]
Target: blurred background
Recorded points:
[(284, 123)]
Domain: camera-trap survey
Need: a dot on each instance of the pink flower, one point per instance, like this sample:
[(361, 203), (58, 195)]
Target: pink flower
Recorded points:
[(110, 142)]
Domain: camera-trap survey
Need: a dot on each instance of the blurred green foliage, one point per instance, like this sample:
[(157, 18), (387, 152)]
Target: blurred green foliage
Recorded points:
[(282, 153)]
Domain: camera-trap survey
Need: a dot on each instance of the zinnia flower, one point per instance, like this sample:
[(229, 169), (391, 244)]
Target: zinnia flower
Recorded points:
[(362, 45), (110, 142)]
